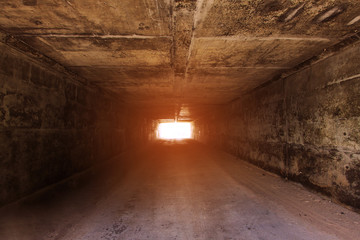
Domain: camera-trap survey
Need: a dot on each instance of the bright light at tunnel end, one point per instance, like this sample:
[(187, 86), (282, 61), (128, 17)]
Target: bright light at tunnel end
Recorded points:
[(175, 130)]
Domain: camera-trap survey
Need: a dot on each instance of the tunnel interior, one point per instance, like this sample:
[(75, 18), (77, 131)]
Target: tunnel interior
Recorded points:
[(273, 83)]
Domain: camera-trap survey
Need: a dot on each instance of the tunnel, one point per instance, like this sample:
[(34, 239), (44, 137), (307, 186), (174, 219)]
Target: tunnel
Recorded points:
[(179, 119)]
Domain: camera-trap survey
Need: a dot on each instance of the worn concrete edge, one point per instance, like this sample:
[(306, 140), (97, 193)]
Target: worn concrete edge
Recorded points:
[(323, 192), (348, 42), (326, 192), (49, 63), (328, 52), (279, 174), (72, 178)]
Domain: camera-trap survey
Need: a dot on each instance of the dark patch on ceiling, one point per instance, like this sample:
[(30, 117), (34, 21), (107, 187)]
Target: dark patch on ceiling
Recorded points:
[(30, 2)]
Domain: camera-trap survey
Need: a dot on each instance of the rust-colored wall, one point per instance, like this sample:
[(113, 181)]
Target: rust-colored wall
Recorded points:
[(305, 127)]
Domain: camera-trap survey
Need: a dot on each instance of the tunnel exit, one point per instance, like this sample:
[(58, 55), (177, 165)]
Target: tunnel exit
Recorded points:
[(174, 130)]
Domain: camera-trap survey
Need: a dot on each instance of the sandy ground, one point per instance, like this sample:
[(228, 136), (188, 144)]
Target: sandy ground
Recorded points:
[(178, 191)]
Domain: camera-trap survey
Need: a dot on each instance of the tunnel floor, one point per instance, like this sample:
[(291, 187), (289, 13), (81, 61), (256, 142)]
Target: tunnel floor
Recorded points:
[(177, 190)]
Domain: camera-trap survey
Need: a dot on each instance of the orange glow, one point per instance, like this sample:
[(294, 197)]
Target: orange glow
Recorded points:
[(175, 130)]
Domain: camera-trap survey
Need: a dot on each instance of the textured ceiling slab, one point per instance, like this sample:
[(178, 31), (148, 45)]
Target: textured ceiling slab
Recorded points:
[(274, 52), (86, 51), (277, 17), (93, 17), (171, 53)]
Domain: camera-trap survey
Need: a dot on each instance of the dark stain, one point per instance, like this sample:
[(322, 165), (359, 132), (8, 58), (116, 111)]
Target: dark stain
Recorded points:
[(52, 116), (353, 175), (118, 229), (337, 112), (16, 30), (26, 112), (190, 5), (333, 49), (36, 22), (24, 117), (114, 231), (7, 65), (69, 115), (314, 162), (70, 91), (82, 96), (21, 45), (2, 95), (267, 150), (2, 114), (349, 199), (269, 6), (36, 77), (304, 180), (30, 2), (142, 26), (122, 44), (25, 71)]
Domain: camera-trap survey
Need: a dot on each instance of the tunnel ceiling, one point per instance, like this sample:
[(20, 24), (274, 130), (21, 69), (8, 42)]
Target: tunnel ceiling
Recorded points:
[(165, 52)]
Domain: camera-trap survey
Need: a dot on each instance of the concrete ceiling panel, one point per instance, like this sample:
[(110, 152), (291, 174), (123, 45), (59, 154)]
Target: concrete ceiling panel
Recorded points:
[(240, 79), (136, 76), (166, 53), (95, 51), (273, 52), (143, 17), (259, 18)]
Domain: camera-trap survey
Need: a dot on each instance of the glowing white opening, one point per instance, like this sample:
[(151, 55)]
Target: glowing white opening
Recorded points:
[(176, 130)]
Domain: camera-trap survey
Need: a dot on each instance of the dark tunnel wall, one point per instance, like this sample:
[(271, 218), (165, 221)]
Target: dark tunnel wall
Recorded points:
[(305, 127), (52, 126)]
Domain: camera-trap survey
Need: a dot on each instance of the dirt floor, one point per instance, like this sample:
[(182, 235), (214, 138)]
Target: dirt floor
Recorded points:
[(177, 191)]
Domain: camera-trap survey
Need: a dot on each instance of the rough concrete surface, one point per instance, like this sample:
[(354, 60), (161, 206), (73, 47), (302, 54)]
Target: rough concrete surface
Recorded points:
[(248, 42), (274, 82), (178, 191), (51, 126), (304, 127)]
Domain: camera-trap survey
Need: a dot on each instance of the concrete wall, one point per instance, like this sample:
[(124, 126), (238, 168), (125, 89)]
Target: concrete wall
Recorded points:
[(52, 126), (305, 127)]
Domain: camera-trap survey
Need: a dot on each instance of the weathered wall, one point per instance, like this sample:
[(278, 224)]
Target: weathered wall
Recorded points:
[(52, 126), (305, 127)]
